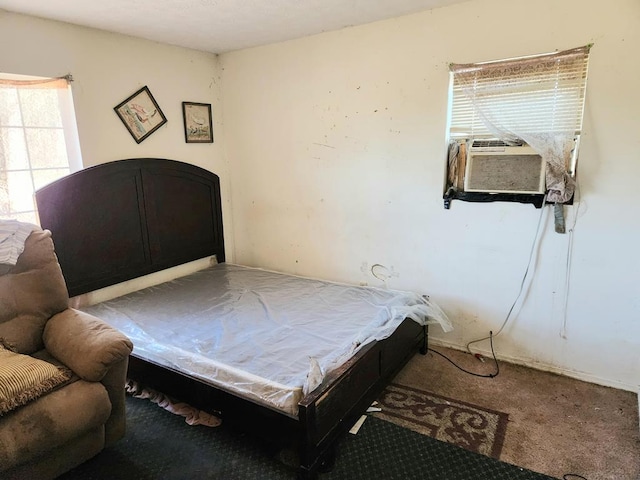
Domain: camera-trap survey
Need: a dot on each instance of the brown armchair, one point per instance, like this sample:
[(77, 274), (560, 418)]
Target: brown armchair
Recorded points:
[(51, 425)]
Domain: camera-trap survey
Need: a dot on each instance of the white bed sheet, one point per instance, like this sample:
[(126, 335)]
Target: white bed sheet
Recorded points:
[(265, 336)]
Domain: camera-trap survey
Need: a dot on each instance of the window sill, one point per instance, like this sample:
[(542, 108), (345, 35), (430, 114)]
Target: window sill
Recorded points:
[(536, 199)]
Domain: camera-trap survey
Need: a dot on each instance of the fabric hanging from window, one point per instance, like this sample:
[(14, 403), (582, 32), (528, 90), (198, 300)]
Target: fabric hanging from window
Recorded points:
[(57, 82), (538, 99)]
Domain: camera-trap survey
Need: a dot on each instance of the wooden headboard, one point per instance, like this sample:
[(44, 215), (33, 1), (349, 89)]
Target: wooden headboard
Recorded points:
[(124, 219)]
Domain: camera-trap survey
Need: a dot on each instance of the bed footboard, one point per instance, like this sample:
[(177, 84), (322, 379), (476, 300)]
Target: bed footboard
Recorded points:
[(329, 411)]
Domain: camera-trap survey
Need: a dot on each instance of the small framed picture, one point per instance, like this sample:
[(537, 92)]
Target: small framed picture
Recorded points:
[(198, 125), (141, 114)]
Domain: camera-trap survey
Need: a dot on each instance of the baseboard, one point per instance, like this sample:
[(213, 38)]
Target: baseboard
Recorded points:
[(585, 377)]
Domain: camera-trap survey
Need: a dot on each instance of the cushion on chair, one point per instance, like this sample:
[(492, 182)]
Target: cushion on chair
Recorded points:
[(32, 292), (85, 344), (24, 378)]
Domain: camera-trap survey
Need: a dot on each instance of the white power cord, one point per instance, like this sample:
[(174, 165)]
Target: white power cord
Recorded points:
[(535, 242)]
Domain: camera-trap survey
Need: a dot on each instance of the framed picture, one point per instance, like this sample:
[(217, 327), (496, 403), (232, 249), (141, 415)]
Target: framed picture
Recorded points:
[(141, 114), (198, 126)]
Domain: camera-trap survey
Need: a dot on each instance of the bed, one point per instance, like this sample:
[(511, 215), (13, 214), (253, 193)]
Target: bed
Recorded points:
[(292, 360)]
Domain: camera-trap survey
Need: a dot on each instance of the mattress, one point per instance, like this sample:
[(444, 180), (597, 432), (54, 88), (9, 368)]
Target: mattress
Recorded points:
[(266, 336)]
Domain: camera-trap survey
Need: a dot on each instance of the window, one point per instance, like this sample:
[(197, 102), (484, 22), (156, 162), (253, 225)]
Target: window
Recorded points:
[(515, 126), (38, 140)]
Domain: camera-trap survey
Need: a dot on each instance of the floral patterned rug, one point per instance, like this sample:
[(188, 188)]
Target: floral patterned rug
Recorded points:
[(469, 426)]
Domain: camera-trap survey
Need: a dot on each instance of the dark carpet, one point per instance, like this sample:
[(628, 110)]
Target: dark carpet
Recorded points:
[(160, 445)]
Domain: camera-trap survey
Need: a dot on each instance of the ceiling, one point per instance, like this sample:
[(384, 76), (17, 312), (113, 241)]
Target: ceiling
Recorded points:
[(219, 26)]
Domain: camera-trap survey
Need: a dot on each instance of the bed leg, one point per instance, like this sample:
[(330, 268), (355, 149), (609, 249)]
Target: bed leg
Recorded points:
[(328, 460), (322, 465), (306, 474)]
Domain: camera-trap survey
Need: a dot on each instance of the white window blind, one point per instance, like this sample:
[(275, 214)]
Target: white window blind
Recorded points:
[(38, 140), (537, 94)]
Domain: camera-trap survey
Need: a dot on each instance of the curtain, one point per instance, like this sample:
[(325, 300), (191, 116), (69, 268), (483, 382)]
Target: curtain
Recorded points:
[(538, 99)]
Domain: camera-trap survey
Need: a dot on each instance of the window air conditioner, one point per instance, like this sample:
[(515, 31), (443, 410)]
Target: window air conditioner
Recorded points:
[(494, 167)]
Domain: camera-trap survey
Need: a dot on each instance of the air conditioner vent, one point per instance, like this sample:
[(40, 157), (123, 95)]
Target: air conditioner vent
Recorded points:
[(506, 169), (495, 143)]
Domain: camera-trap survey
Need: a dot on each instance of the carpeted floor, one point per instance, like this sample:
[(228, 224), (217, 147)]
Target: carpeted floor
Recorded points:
[(160, 445), (540, 421), (557, 425)]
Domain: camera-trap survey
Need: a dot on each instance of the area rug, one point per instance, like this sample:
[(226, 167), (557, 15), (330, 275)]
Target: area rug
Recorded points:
[(474, 428), (160, 445)]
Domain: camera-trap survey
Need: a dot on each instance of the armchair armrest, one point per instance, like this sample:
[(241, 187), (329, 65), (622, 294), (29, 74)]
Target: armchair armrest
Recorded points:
[(85, 344)]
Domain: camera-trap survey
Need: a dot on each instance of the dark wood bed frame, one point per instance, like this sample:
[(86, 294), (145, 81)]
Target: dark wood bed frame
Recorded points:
[(124, 219)]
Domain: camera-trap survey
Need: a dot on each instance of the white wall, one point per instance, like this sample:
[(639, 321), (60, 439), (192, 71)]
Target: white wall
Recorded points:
[(107, 68), (336, 150)]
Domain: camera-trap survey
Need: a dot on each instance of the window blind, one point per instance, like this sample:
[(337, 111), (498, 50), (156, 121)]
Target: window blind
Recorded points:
[(536, 94)]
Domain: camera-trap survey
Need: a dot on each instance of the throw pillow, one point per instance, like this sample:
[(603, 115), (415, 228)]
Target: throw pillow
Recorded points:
[(24, 378)]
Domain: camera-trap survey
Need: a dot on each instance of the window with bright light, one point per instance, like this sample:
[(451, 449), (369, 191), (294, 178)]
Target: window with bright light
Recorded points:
[(516, 117), (38, 140)]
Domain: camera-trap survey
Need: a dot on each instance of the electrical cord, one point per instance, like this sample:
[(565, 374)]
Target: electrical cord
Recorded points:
[(524, 278), (488, 375)]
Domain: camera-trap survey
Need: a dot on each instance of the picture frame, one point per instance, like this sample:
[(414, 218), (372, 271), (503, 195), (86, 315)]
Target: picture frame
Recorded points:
[(141, 114), (198, 123)]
